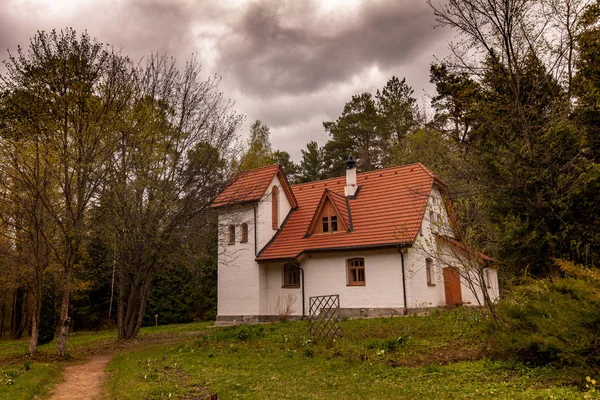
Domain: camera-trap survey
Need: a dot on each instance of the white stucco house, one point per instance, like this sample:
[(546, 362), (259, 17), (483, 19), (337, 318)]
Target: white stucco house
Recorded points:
[(383, 241)]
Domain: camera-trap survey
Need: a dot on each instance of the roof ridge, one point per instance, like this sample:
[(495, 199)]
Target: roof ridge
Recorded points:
[(375, 171)]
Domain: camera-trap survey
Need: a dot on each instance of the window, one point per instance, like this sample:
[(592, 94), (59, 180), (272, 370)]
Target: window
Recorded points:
[(275, 207), (333, 223), (330, 224), (429, 272), (356, 272), (244, 233), (231, 234), (291, 276), (488, 282), (325, 224)]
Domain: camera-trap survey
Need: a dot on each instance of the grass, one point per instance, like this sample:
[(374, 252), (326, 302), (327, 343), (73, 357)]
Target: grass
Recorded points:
[(438, 356), (27, 377)]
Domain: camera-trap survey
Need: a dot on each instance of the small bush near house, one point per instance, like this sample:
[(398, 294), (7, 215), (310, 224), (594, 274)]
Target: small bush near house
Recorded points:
[(551, 321)]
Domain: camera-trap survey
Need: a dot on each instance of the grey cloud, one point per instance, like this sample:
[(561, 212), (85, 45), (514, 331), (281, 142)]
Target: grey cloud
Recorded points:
[(267, 54)]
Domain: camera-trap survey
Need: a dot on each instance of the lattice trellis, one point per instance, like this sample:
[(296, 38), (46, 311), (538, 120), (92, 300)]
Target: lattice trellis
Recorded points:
[(325, 321)]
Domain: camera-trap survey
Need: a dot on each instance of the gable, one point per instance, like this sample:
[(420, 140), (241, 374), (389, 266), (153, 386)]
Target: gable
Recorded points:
[(331, 205), (251, 186)]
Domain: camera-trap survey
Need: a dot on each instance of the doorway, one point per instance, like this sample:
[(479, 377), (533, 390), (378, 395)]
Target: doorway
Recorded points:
[(452, 286)]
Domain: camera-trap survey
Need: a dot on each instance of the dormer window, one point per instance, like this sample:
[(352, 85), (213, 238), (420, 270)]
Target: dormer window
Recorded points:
[(332, 215), (330, 224)]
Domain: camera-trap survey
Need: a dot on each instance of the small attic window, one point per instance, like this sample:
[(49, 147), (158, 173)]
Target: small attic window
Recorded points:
[(325, 224), (334, 226)]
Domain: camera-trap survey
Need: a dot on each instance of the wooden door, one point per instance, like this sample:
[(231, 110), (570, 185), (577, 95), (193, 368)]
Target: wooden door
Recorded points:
[(452, 286)]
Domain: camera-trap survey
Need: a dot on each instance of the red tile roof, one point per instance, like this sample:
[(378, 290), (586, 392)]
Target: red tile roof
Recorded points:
[(387, 211), (250, 186)]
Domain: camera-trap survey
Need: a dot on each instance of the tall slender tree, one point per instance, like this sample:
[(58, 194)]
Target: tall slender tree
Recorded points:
[(76, 92)]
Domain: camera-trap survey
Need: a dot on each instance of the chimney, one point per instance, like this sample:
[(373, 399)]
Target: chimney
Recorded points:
[(350, 188)]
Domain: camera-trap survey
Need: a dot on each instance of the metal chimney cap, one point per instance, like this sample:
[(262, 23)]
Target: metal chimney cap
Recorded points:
[(350, 162)]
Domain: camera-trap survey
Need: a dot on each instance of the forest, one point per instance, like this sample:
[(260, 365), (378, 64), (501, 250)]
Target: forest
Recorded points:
[(108, 167)]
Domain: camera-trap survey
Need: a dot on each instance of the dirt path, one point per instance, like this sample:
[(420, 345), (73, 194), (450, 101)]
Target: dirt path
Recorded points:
[(82, 381)]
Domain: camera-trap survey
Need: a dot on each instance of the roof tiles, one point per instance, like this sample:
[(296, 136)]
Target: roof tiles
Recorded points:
[(388, 210), (249, 186)]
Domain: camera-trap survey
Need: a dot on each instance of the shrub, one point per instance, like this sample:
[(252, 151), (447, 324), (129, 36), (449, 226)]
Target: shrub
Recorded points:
[(549, 322)]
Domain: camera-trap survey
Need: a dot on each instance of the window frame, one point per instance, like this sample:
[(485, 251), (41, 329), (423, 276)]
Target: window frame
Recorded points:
[(231, 229), (244, 233), (294, 270), (488, 283), (333, 221), (350, 267), (429, 272)]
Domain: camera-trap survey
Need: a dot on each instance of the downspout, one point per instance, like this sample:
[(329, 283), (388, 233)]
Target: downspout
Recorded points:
[(303, 306), (403, 279), (255, 239)]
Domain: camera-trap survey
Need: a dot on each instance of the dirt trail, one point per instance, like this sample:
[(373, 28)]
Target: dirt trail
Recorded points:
[(82, 381)]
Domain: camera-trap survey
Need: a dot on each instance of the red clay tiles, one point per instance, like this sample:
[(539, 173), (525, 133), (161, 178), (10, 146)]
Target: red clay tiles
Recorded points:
[(387, 211), (249, 186)]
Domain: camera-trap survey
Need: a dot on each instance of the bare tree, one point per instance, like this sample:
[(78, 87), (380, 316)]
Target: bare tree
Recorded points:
[(170, 163)]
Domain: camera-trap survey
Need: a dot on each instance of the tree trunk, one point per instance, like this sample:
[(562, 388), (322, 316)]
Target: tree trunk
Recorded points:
[(143, 302), (61, 341), (121, 304), (35, 317)]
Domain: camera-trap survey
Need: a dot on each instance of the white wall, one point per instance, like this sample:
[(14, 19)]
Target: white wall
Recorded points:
[(326, 274), (265, 229), (242, 284), (238, 279)]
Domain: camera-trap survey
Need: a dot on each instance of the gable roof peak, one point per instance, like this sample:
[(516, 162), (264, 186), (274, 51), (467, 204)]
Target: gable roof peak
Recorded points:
[(249, 186)]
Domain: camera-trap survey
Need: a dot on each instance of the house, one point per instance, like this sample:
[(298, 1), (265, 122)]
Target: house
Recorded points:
[(382, 240)]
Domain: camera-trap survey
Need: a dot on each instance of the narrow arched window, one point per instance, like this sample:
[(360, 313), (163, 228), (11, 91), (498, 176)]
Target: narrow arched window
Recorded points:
[(231, 234), (429, 272), (275, 207), (244, 233)]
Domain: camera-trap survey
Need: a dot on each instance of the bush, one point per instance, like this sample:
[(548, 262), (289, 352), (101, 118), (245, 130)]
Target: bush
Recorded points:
[(549, 322)]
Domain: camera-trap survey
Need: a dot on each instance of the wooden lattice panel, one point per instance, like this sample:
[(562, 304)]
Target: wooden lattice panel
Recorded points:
[(325, 321)]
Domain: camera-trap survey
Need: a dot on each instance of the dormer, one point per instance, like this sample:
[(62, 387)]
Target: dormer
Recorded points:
[(331, 215)]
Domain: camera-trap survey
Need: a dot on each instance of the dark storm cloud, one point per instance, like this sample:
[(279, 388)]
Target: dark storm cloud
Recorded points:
[(143, 26), (273, 51)]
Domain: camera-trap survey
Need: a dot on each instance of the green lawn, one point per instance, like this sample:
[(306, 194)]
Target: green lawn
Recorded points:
[(438, 356)]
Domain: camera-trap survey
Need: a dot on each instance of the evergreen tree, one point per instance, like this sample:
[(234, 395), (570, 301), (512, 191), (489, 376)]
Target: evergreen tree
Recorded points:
[(397, 108), (312, 166)]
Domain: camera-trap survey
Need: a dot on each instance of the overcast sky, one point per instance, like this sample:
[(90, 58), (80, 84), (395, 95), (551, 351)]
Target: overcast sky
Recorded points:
[(292, 64)]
